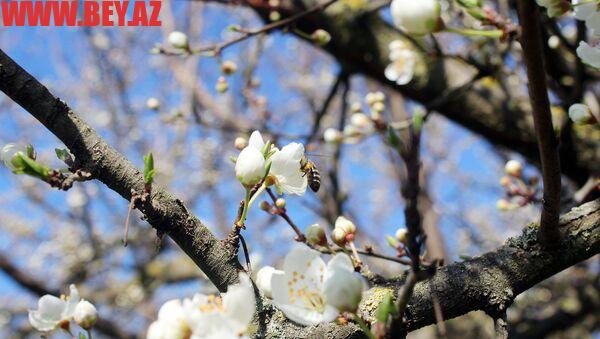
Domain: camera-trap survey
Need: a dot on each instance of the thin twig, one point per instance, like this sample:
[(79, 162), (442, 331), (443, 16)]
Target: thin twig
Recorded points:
[(547, 142), (300, 237), (216, 49)]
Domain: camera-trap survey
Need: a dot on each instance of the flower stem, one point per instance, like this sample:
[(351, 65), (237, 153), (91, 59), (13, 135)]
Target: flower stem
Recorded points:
[(495, 33), (245, 210), (355, 252), (89, 333), (248, 201)]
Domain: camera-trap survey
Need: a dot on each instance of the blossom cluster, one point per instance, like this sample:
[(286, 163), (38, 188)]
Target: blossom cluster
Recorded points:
[(207, 316), (57, 313)]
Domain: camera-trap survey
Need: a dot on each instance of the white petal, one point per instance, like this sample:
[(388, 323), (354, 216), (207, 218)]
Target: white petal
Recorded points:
[(71, 303), (340, 261), (588, 54), (256, 141), (584, 10), (285, 165), (593, 23), (239, 303), (263, 280), (308, 317), (170, 310), (343, 289)]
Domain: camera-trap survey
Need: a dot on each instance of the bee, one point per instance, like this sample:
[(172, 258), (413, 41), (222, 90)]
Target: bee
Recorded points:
[(311, 172)]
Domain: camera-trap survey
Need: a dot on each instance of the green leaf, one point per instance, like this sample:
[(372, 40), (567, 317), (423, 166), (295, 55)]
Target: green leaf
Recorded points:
[(386, 308), (418, 120), (391, 241), (63, 154), (81, 335), (149, 171), (393, 138), (477, 14)]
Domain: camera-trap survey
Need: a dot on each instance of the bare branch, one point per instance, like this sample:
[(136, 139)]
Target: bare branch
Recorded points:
[(531, 42)]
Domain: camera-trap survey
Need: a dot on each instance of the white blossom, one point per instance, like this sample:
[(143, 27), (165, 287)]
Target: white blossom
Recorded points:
[(285, 167), (172, 321), (333, 136), (178, 40), (207, 316), (9, 151), (402, 63), (588, 54), (416, 17), (580, 113), (85, 314), (306, 289), (53, 312)]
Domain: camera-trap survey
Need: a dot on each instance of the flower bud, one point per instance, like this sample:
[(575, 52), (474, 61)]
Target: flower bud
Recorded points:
[(338, 236), (315, 235), (513, 168), (274, 16), (250, 166), (361, 121), (505, 181), (321, 37), (153, 104), (222, 86), (416, 17), (240, 143), (373, 97), (85, 314), (356, 107), (402, 235), (345, 224), (228, 67), (280, 202), (580, 113), (9, 153), (178, 40), (378, 107), (503, 205), (333, 136)]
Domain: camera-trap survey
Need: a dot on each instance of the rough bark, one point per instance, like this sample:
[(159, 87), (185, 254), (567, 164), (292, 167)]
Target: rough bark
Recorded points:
[(165, 213)]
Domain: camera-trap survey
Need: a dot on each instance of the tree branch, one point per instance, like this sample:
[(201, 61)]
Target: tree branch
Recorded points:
[(164, 212), (531, 42)]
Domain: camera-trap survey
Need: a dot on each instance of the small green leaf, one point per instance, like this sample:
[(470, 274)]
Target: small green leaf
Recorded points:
[(391, 241), (418, 120), (386, 308), (393, 138), (82, 336), (266, 148), (149, 171), (470, 3), (477, 14), (63, 154)]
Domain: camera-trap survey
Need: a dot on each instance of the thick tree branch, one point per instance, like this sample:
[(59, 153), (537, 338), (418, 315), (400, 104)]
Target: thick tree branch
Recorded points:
[(531, 41), (164, 212)]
